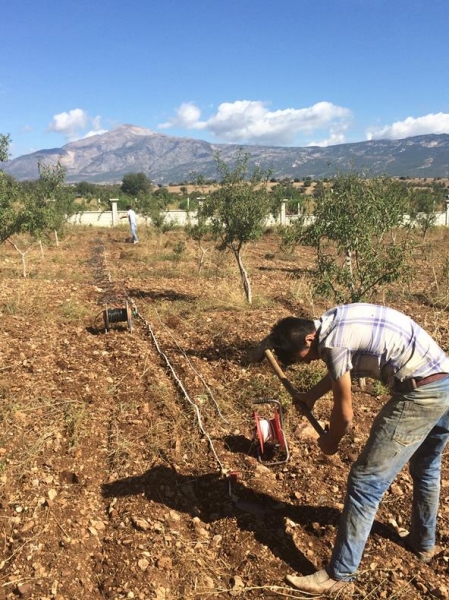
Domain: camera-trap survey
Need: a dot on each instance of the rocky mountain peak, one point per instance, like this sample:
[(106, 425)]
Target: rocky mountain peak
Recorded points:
[(107, 157)]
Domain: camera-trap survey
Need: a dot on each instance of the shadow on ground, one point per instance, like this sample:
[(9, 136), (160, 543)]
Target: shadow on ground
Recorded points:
[(211, 497)]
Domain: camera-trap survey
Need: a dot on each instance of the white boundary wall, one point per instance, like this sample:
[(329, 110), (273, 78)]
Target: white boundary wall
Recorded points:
[(105, 218), (111, 218)]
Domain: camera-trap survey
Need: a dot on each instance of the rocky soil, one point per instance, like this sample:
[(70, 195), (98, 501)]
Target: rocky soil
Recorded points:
[(127, 465)]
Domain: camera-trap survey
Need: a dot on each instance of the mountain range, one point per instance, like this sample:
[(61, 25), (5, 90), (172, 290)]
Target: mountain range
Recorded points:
[(106, 158)]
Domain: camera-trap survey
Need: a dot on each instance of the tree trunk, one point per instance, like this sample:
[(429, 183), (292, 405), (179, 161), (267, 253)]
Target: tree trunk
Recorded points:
[(349, 267), (348, 261), (243, 275), (201, 263)]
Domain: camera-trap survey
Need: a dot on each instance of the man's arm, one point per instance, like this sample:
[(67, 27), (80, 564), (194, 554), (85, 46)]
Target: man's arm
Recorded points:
[(341, 416)]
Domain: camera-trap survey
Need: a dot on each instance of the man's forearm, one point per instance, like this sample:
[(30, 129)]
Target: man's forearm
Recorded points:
[(342, 412), (320, 389)]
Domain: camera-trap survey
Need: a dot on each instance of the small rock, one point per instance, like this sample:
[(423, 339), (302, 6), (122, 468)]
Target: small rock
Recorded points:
[(24, 590), (237, 586), (27, 527), (52, 494), (441, 592), (306, 431), (158, 527), (143, 564), (140, 523), (421, 587), (264, 471), (396, 490)]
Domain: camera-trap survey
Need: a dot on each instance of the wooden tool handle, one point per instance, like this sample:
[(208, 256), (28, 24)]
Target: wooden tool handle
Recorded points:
[(291, 390)]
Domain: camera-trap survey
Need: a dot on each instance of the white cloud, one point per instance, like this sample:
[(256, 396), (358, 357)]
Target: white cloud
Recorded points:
[(336, 136), (69, 123), (95, 132), (187, 117), (251, 122), (72, 124), (431, 123)]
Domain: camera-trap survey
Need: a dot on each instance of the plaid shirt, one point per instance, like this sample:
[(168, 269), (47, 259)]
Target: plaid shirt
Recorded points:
[(378, 342)]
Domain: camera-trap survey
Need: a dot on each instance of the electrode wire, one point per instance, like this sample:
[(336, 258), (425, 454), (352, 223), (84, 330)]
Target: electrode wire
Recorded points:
[(101, 271), (184, 392), (117, 315), (203, 381), (111, 294)]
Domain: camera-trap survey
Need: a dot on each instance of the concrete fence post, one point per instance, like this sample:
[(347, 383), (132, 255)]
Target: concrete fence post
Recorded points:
[(282, 216), (113, 202)]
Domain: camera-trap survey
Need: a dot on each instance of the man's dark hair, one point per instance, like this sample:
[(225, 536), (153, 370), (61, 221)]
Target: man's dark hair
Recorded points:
[(287, 337), (129, 207)]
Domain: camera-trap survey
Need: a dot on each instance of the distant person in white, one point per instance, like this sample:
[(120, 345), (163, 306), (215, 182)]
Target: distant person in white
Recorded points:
[(131, 216)]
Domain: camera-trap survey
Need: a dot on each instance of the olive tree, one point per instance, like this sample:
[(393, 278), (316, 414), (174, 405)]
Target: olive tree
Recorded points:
[(154, 207), (198, 228), (49, 205), (36, 211), (422, 210), (359, 235), (136, 185), (199, 232), (5, 140), (11, 218), (238, 209)]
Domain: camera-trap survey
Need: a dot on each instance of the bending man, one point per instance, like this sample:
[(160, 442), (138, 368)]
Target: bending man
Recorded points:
[(365, 340)]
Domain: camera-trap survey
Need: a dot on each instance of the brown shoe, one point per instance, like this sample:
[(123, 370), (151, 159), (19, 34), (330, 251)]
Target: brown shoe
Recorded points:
[(424, 556), (320, 584)]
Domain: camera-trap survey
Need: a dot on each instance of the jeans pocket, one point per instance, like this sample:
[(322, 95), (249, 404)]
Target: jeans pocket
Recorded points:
[(416, 422)]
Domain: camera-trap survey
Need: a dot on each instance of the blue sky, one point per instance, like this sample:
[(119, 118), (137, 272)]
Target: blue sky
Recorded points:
[(287, 73)]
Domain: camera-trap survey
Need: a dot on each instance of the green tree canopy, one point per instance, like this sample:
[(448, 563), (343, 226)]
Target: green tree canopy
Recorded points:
[(53, 201), (238, 209), (136, 185), (285, 190), (5, 141), (354, 232), (34, 209)]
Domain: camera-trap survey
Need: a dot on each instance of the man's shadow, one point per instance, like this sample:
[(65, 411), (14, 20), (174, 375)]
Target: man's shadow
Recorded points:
[(212, 497)]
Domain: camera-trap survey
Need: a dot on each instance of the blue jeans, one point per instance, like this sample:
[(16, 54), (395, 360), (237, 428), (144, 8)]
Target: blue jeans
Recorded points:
[(134, 232), (412, 427)]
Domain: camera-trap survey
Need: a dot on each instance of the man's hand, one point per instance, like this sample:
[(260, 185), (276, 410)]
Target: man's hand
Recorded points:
[(328, 444)]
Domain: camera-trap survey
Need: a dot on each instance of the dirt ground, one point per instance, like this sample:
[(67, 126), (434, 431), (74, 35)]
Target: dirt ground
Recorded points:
[(127, 465)]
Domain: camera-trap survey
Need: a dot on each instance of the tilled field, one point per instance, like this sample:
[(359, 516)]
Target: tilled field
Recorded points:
[(116, 448)]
